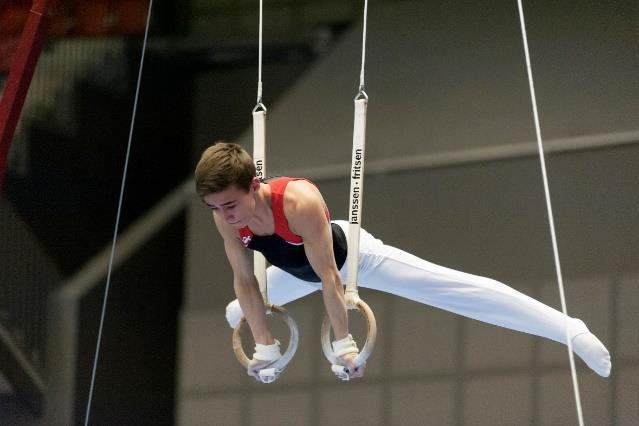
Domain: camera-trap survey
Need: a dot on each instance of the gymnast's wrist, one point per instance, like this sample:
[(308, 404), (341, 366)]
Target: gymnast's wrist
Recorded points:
[(345, 346), (267, 352)]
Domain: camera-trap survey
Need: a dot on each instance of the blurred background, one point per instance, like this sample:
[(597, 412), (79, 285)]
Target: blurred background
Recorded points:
[(452, 176)]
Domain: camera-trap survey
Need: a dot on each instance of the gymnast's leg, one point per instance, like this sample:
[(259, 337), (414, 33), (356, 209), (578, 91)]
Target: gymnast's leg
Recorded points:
[(282, 289), (391, 270)]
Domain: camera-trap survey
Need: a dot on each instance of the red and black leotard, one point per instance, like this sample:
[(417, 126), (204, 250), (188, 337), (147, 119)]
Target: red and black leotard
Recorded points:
[(285, 249)]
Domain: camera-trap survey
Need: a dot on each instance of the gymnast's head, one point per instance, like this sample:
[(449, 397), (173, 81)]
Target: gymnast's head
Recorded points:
[(223, 166)]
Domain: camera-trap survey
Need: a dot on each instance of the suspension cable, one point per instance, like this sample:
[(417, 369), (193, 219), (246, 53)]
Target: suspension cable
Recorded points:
[(551, 220), (259, 68), (117, 219), (361, 74)]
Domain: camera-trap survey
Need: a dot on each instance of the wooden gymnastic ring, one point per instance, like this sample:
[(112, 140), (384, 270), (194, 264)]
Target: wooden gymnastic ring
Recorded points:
[(292, 343), (371, 336)]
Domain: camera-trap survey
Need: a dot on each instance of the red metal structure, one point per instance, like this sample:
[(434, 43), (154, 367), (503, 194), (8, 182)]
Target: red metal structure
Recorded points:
[(20, 75), (41, 18)]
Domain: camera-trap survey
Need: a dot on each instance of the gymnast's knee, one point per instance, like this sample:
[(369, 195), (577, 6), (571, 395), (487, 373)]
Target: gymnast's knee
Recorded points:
[(234, 313)]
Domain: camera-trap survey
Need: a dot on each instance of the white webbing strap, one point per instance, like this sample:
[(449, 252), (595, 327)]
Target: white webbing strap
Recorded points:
[(259, 144), (356, 198), (551, 220), (259, 151), (355, 222), (357, 179)]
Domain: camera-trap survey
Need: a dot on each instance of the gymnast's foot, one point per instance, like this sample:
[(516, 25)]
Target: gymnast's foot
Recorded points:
[(592, 352)]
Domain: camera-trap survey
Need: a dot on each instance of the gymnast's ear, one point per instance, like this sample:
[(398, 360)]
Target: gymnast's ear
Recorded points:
[(255, 184)]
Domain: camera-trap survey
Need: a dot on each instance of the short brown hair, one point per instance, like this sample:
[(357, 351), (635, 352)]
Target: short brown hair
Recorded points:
[(221, 166)]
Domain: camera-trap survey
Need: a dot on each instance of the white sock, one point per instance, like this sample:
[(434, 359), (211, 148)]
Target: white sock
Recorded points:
[(234, 313), (592, 352)]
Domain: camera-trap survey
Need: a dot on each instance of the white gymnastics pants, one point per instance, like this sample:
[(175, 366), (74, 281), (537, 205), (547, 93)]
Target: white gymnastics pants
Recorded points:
[(388, 269)]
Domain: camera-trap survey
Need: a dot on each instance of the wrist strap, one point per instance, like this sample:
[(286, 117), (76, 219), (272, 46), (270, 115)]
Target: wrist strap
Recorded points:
[(345, 346), (267, 352)]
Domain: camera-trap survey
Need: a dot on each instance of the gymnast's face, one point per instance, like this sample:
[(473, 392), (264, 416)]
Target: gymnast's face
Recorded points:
[(234, 205)]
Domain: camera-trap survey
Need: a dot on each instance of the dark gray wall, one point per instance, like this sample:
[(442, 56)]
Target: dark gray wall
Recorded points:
[(137, 361), (450, 77)]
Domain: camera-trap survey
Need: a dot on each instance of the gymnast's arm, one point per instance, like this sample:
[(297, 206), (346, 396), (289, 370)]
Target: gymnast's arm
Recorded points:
[(305, 211), (245, 283)]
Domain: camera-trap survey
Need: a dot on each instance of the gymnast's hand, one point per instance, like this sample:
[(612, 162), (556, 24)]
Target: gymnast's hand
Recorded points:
[(346, 351), (254, 367), (264, 356), (348, 361)]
